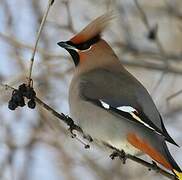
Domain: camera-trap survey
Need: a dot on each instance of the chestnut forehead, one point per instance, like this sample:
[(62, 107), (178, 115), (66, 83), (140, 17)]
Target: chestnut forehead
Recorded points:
[(85, 45)]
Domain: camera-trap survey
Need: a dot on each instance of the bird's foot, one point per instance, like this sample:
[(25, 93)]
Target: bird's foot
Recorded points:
[(73, 135), (121, 154), (114, 155), (71, 129), (155, 166), (72, 126)]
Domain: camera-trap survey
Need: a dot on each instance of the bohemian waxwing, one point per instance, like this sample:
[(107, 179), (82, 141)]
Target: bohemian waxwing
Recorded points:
[(109, 103)]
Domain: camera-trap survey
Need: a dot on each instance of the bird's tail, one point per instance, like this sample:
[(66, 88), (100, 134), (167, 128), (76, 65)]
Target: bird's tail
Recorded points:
[(178, 174), (175, 168)]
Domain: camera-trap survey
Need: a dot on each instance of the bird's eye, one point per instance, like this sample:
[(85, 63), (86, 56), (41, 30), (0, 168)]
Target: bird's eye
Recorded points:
[(86, 46), (83, 46)]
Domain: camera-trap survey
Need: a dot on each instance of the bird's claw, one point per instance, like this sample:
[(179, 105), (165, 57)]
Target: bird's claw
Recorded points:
[(114, 155), (72, 125), (121, 154), (155, 166), (71, 129)]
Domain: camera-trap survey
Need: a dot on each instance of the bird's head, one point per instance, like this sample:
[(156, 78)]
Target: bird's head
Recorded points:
[(85, 43)]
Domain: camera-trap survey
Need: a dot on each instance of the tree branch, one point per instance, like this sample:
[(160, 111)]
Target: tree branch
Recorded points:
[(72, 126)]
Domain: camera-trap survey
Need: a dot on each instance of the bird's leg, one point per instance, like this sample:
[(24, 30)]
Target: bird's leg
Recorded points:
[(117, 153), (72, 125), (114, 155), (155, 166), (121, 154), (73, 135)]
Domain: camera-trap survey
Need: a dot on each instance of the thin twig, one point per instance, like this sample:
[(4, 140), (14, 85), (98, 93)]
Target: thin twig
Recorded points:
[(37, 39)]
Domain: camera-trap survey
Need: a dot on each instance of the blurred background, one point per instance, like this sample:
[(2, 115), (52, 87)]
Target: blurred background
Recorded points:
[(146, 36)]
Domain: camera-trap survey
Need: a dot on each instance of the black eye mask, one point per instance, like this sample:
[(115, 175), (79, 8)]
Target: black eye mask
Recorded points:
[(85, 45)]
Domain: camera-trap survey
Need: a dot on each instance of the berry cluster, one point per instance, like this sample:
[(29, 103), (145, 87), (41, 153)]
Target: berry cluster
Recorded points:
[(18, 97)]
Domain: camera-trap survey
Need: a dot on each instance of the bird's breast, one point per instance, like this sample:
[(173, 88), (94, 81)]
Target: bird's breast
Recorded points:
[(97, 122)]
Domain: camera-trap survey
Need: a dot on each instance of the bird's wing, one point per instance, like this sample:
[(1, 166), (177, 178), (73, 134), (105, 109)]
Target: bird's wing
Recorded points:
[(122, 94)]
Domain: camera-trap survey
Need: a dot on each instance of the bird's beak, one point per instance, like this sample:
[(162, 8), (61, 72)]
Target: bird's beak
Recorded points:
[(71, 49), (66, 46)]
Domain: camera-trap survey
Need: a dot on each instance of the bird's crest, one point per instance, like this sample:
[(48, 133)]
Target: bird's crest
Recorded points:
[(94, 29)]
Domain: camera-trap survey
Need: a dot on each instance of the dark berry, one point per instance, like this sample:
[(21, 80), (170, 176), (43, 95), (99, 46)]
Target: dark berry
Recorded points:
[(12, 105), (31, 104), (22, 88), (21, 103), (17, 97), (30, 94)]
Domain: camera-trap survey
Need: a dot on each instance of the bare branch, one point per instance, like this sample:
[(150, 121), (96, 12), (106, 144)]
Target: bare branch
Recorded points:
[(37, 39)]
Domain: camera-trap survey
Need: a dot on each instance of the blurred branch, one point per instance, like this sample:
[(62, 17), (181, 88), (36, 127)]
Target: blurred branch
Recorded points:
[(174, 95), (69, 26), (16, 43), (135, 52), (70, 22), (153, 66), (173, 10), (149, 28), (153, 31), (156, 56), (72, 126)]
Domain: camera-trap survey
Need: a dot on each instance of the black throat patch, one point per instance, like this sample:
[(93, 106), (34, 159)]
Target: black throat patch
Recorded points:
[(81, 46), (74, 55)]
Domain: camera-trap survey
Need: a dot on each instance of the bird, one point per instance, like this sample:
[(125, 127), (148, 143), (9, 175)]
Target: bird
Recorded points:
[(109, 103)]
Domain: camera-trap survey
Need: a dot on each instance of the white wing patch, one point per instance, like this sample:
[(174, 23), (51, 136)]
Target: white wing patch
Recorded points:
[(137, 118), (105, 105), (132, 111), (128, 109)]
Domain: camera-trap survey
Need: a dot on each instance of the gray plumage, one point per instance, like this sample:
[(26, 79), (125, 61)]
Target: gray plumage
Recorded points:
[(101, 87), (122, 89)]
